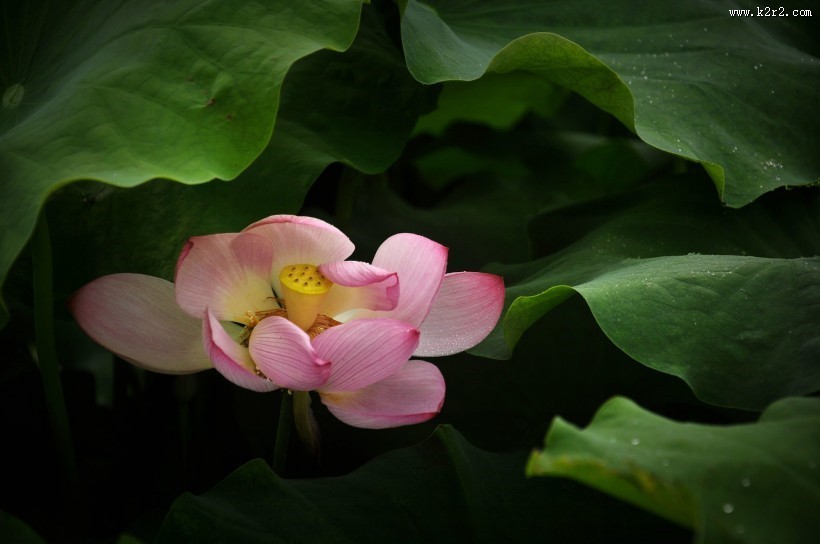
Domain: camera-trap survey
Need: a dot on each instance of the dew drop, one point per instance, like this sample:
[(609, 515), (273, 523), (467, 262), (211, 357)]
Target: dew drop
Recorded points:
[(635, 441), (745, 482), (665, 462), (728, 508), (740, 528)]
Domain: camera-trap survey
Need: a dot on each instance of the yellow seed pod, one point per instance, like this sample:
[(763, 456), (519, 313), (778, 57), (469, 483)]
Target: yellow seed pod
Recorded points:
[(304, 289), (305, 279)]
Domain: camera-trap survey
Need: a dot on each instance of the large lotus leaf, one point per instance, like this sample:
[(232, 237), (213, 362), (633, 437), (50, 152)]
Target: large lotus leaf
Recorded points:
[(728, 92), (99, 229), (444, 490), (127, 91), (721, 298), (756, 482)]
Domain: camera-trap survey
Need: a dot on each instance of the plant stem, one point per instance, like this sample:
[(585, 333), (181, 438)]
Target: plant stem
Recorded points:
[(306, 427), (47, 355), (283, 431)]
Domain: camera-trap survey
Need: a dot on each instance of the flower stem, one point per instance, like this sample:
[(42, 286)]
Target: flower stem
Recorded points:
[(47, 355), (283, 431), (306, 426)]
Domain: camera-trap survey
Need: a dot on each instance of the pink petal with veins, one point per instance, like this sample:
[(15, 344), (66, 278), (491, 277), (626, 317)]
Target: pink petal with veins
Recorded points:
[(420, 264), (359, 285), (465, 310), (413, 394), (228, 273), (283, 353), (365, 351), (232, 360), (136, 317)]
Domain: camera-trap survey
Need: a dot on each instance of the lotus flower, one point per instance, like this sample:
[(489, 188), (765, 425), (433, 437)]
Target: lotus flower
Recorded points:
[(278, 306)]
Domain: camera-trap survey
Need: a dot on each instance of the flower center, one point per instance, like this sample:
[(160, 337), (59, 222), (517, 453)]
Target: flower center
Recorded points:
[(303, 288)]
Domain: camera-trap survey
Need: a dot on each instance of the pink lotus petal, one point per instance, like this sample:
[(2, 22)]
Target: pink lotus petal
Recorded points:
[(233, 361), (421, 264), (412, 395), (301, 240), (365, 351), (228, 273), (283, 352), (359, 285), (136, 317), (465, 310)]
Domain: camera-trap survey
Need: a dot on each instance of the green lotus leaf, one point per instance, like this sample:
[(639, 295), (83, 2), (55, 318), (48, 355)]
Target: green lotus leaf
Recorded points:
[(327, 96), (755, 482), (124, 92), (728, 300), (443, 490), (688, 78)]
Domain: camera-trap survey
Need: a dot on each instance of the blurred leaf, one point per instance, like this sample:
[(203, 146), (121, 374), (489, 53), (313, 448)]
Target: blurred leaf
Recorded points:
[(728, 92), (482, 220), (357, 108), (444, 490), (755, 482), (442, 165), (497, 100), (15, 530), (475, 189), (672, 281), (100, 229), (127, 91)]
